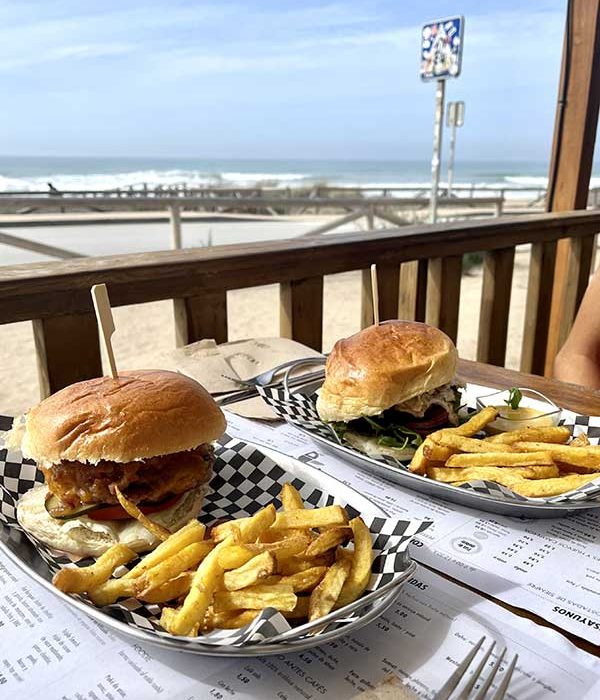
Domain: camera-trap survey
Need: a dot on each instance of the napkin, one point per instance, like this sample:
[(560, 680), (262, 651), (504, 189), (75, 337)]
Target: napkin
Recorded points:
[(215, 366)]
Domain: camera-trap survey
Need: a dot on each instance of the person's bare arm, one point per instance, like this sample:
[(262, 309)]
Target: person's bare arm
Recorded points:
[(578, 361)]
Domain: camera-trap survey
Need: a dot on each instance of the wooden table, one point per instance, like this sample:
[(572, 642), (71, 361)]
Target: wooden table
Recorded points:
[(570, 396)]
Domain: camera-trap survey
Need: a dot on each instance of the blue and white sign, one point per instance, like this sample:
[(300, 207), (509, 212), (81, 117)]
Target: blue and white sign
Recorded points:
[(441, 48)]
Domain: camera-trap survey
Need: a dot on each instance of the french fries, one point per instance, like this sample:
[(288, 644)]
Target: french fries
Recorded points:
[(448, 438), (418, 464), (544, 488), (171, 590), (328, 539), (290, 498), (190, 533), (435, 452), (326, 594), (588, 457), (74, 579), (555, 434), (360, 568), (500, 475), (580, 441), (111, 590), (234, 556), (168, 569), (161, 533), (533, 462), (278, 596), (475, 424), (301, 561), (304, 580), (316, 517), (500, 459), (257, 568)]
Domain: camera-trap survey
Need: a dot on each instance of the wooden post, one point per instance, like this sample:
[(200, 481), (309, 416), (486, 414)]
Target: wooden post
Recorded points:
[(571, 166), (301, 311), (197, 318), (413, 290), (175, 216), (67, 350), (495, 306), (443, 293)]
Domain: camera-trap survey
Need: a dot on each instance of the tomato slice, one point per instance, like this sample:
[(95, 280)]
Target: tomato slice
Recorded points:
[(114, 512), (435, 417)]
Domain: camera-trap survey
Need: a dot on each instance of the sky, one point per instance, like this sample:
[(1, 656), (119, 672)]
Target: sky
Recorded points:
[(270, 78)]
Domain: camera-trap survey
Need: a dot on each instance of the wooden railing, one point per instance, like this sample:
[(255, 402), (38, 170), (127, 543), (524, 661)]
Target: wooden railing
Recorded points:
[(419, 269)]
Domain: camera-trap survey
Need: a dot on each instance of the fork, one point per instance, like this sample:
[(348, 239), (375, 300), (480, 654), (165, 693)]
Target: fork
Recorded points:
[(462, 671), (266, 378)]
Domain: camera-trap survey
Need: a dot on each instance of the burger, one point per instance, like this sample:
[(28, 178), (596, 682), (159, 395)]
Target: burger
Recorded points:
[(389, 386), (149, 433)]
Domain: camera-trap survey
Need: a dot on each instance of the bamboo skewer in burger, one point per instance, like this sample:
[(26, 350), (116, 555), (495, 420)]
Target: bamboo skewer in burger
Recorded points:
[(389, 385)]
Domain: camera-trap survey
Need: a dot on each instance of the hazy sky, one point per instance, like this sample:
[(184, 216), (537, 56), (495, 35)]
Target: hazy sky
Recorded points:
[(270, 78)]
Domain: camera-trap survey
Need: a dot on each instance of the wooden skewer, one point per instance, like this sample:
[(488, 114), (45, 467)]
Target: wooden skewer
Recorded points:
[(106, 323), (375, 293)]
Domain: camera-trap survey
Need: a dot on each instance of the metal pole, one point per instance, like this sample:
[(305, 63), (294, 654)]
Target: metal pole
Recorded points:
[(451, 157), (437, 149)]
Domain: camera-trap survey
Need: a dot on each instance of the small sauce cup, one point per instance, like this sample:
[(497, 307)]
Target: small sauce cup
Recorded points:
[(535, 411)]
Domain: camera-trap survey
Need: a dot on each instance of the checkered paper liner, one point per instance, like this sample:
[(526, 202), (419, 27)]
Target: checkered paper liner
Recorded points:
[(244, 481), (300, 410)]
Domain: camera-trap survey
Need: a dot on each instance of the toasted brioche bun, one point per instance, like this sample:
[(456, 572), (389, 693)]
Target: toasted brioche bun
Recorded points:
[(142, 414), (382, 366), (85, 537)]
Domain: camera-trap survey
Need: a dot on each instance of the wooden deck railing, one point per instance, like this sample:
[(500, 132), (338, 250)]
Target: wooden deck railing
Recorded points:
[(419, 270)]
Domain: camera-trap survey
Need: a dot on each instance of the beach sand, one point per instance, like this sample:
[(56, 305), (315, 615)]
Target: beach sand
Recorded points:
[(145, 331)]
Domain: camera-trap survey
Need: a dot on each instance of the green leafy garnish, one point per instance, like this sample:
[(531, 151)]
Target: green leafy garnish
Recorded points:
[(514, 398)]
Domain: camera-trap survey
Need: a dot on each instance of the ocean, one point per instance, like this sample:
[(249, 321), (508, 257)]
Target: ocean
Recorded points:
[(95, 173)]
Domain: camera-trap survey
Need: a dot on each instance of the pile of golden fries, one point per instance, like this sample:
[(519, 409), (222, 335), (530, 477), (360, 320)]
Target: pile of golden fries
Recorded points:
[(533, 462), (295, 561)]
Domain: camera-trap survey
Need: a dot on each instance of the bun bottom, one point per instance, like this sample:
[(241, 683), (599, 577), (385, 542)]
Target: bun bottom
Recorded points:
[(371, 448), (85, 537)]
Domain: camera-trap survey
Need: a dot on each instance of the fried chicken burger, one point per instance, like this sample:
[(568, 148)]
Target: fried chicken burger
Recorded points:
[(149, 433)]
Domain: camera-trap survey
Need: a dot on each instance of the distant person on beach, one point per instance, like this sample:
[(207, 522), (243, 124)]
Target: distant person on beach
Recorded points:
[(578, 361)]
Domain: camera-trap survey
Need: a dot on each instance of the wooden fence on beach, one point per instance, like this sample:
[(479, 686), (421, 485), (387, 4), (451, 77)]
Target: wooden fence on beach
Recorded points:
[(81, 211)]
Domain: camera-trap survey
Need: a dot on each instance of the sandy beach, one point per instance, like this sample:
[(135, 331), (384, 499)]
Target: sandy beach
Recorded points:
[(145, 331)]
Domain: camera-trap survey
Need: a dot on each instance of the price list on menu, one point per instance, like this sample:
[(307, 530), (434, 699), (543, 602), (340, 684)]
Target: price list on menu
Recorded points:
[(49, 650)]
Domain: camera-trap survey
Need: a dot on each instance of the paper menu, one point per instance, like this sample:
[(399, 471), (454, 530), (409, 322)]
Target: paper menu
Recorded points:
[(48, 650), (549, 567)]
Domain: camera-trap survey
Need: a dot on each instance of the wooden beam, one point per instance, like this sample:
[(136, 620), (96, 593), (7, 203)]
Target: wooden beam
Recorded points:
[(41, 290), (36, 247), (537, 307), (495, 306), (413, 290), (301, 311), (572, 157), (201, 317), (67, 350), (443, 293)]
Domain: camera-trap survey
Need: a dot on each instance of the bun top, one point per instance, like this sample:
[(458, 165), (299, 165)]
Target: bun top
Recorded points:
[(143, 413), (382, 366)]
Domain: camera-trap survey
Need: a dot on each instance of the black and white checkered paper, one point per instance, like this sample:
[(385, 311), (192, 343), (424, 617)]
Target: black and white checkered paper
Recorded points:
[(244, 481), (300, 410)]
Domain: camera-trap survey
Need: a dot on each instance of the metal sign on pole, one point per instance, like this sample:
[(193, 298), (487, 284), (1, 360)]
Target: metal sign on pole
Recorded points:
[(441, 58), (455, 117)]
